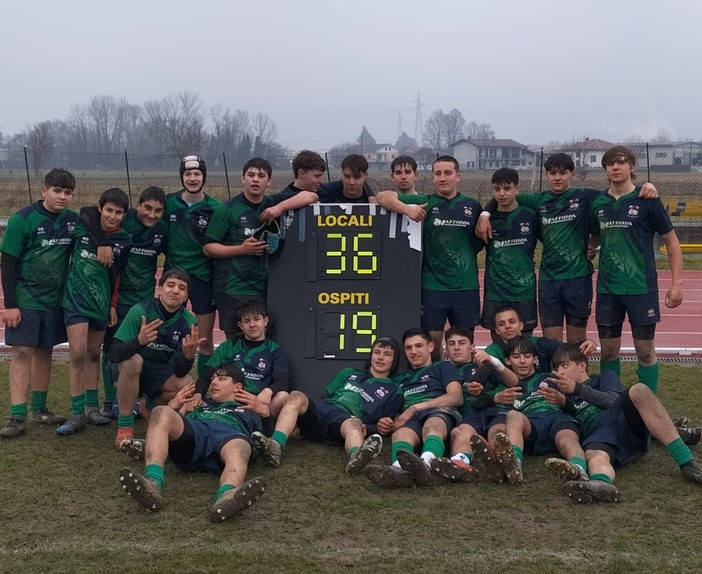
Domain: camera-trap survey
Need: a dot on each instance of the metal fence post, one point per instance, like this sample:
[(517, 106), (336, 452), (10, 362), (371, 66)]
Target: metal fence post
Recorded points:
[(226, 175), (541, 171), (26, 167), (129, 182)]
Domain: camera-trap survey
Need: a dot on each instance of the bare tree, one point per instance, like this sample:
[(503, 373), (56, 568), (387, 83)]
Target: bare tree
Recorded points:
[(455, 122), (106, 117), (40, 143), (435, 131), (177, 123), (479, 131), (264, 128), (78, 126), (229, 128)]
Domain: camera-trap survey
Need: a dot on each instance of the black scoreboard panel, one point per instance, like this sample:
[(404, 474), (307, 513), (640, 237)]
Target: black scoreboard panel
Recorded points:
[(346, 274)]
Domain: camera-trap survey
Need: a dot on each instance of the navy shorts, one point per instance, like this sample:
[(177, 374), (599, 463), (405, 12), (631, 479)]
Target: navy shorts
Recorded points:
[(201, 296), (526, 310), (38, 329), (322, 422), (641, 309), (544, 426), (198, 448), (228, 311), (569, 297), (613, 429), (494, 416), (474, 419), (449, 415), (71, 317), (459, 307), (151, 379)]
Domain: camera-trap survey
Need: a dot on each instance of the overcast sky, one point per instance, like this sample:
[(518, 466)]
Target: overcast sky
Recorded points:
[(536, 70)]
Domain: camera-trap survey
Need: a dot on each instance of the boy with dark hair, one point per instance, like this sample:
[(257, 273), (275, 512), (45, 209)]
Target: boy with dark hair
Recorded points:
[(627, 282), (188, 213), (509, 261), (358, 404), (450, 289), (205, 436), (138, 278), (432, 391), (36, 248), (403, 172), (153, 350), (565, 276), (240, 254), (88, 307), (263, 362)]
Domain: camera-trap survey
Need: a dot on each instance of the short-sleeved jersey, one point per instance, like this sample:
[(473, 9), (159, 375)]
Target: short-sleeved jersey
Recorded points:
[(89, 285), (468, 372), (627, 226), (42, 243), (565, 227), (186, 232), (169, 342), (531, 401), (138, 278), (545, 348), (229, 413), (259, 360), (427, 383), (364, 396), (232, 223), (333, 192), (449, 241), (509, 267), (586, 413)]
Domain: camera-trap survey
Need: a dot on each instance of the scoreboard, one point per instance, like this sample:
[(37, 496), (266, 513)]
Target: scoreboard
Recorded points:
[(345, 274)]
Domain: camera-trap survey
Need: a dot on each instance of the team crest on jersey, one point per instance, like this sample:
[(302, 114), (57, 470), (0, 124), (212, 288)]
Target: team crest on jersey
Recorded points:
[(633, 211), (71, 226), (574, 204), (468, 211), (157, 239), (176, 336), (262, 365), (424, 378), (117, 249), (525, 228), (41, 230), (381, 392), (202, 222)]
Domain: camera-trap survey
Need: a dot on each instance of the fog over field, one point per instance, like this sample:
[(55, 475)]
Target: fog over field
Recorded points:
[(534, 71)]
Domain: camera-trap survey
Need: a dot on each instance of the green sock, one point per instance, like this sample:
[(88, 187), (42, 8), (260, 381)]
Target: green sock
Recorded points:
[(469, 456), (518, 452), (125, 422), (202, 363), (679, 451), (78, 404), (109, 388), (38, 400), (398, 446), (353, 450), (222, 489), (91, 398), (156, 473), (280, 437), (579, 461), (614, 365), (601, 477), (649, 376), (19, 410), (434, 444)]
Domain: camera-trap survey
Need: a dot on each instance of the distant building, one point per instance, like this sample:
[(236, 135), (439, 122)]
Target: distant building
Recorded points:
[(672, 156), (492, 154), (586, 153)]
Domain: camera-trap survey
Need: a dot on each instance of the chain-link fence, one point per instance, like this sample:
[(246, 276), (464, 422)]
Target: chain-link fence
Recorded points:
[(22, 172)]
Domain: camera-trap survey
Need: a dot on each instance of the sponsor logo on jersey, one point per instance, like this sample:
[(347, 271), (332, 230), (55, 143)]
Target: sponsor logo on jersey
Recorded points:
[(415, 390), (356, 389), (509, 242), (249, 231), (142, 251), (450, 222), (558, 219), (160, 347), (60, 241), (173, 217), (85, 254)]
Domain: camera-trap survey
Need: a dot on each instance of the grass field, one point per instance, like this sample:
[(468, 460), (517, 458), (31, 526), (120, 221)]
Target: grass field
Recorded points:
[(61, 510)]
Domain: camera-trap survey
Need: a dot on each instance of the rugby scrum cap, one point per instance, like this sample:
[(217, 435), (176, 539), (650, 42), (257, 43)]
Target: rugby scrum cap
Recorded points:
[(193, 162)]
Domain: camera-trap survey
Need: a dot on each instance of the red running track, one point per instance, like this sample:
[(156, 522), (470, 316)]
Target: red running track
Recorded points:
[(678, 333)]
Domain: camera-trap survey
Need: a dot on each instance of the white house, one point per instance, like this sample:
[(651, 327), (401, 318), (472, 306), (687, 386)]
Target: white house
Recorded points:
[(492, 154)]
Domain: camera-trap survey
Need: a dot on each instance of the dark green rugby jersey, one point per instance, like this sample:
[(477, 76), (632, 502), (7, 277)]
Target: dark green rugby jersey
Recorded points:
[(169, 342), (232, 223), (259, 360), (531, 401), (89, 285), (42, 243), (186, 232), (138, 278), (627, 226), (509, 267), (449, 241), (229, 413), (586, 413), (427, 383), (545, 348), (565, 226), (364, 396)]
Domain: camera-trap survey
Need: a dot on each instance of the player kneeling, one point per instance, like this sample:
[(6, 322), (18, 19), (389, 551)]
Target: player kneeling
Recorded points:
[(211, 436)]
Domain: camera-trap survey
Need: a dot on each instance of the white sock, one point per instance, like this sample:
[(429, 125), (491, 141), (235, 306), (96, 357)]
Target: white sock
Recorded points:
[(397, 464), (461, 457), (427, 456)]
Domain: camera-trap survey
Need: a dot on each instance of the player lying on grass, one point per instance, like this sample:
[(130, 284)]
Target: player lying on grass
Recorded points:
[(617, 426), (359, 403), (210, 436), (432, 391)]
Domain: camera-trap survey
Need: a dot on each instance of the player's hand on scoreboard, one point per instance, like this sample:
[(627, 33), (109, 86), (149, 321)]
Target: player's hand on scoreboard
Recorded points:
[(416, 212), (270, 213)]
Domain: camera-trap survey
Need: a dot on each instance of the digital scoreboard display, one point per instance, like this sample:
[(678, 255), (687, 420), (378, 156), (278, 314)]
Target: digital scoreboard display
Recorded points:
[(346, 274)]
